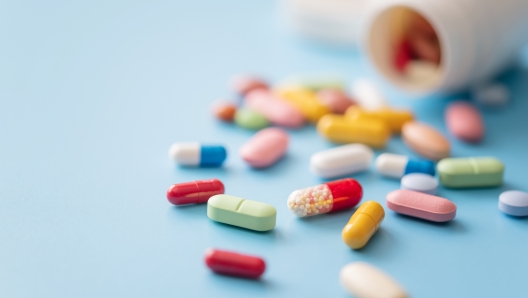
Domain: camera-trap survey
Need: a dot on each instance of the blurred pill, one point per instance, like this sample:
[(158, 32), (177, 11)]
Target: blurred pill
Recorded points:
[(491, 95), (276, 110), (224, 111), (367, 95), (402, 55), (426, 140), (464, 122), (242, 84), (422, 72), (250, 119), (335, 100)]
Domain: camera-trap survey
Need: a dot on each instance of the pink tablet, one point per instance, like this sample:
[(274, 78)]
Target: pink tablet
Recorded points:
[(464, 121), (277, 111), (424, 206), (265, 148)]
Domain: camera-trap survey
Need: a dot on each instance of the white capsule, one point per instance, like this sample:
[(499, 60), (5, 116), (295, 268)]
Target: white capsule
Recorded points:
[(395, 166), (196, 154), (342, 160), (365, 281), (367, 95), (492, 95)]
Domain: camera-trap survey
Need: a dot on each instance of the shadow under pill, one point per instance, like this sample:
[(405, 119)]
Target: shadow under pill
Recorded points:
[(279, 166), (269, 234), (249, 283), (380, 245), (453, 224), (190, 210)]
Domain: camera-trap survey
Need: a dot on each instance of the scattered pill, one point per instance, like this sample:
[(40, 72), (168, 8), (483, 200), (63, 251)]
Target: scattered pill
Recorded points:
[(195, 192), (514, 203), (250, 119), (421, 72), (335, 100), (491, 95), (425, 140), (365, 281), (265, 148), (464, 122), (277, 111), (324, 198), (234, 264), (224, 111), (421, 205), (419, 182), (340, 129), (342, 160), (402, 55), (367, 95), (197, 155), (470, 172), (396, 166), (243, 84), (363, 224), (242, 213), (305, 101), (395, 119)]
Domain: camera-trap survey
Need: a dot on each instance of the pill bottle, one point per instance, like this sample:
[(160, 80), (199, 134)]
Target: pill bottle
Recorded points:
[(476, 39)]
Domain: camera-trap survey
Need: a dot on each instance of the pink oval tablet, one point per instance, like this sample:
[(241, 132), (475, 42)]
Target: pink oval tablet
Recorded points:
[(265, 147), (276, 110), (243, 84), (336, 100), (425, 140), (421, 205), (464, 121)]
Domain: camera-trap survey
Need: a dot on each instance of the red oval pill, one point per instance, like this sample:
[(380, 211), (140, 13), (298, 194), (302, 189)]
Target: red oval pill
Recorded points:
[(194, 192), (465, 122), (235, 264)]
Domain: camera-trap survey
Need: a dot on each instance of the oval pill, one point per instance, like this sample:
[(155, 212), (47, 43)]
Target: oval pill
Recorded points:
[(363, 224), (464, 122), (335, 100), (250, 119), (365, 281), (425, 140), (305, 101), (340, 129), (342, 160), (194, 192), (195, 154), (243, 84), (265, 148), (470, 172), (420, 205), (224, 111), (420, 182), (234, 264), (514, 202), (396, 166), (242, 213), (395, 119), (277, 111)]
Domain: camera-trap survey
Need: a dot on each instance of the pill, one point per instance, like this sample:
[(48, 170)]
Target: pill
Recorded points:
[(402, 55), (197, 155), (422, 72), (250, 119), (421, 205), (363, 224), (331, 196), (365, 281), (491, 95), (224, 111), (243, 84), (194, 192), (395, 119), (313, 82), (277, 111), (420, 182), (342, 160), (464, 122), (265, 148), (234, 264), (340, 129), (425, 140), (396, 166), (305, 101), (367, 95), (470, 172), (514, 202), (242, 213), (425, 48), (335, 100)]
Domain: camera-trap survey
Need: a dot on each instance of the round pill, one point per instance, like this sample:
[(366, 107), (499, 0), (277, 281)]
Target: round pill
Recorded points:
[(514, 203), (224, 111), (420, 182)]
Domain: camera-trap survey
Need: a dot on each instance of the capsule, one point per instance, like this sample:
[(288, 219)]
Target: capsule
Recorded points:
[(367, 95), (194, 192), (342, 160), (324, 198), (363, 224), (234, 264), (395, 119), (396, 166), (470, 172), (305, 101), (197, 155), (341, 129)]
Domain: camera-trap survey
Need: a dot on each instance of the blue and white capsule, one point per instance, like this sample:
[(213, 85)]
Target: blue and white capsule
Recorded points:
[(198, 155), (396, 166)]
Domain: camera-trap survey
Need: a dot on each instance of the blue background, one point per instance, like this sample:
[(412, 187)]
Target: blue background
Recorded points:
[(92, 95)]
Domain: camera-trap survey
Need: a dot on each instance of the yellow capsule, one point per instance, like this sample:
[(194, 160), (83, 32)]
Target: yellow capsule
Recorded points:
[(395, 119), (341, 129), (363, 224), (305, 101)]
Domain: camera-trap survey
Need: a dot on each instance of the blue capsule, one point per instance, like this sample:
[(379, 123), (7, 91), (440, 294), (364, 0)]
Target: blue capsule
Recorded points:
[(197, 155)]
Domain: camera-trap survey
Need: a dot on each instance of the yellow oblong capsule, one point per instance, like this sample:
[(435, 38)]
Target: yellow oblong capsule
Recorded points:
[(304, 100), (363, 224), (341, 129), (395, 119)]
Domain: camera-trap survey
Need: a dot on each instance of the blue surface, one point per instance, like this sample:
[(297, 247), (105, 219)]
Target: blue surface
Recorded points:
[(93, 93)]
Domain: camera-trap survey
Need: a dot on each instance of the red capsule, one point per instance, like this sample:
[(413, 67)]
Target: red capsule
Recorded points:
[(195, 192), (232, 263)]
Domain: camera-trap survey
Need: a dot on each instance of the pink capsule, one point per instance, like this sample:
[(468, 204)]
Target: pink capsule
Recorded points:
[(421, 205), (336, 100), (464, 121), (265, 148), (243, 84), (277, 111)]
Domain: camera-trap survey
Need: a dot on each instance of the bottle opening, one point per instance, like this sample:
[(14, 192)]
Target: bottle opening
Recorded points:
[(405, 47)]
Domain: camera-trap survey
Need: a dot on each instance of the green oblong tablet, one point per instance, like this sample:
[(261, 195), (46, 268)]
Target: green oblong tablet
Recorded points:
[(470, 172), (243, 213), (250, 119)]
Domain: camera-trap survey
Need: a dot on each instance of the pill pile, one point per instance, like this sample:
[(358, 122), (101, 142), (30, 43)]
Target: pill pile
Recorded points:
[(357, 123)]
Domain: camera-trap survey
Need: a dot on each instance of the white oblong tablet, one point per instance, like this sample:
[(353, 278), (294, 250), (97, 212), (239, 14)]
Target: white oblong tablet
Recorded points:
[(366, 281), (342, 160), (514, 203), (420, 182)]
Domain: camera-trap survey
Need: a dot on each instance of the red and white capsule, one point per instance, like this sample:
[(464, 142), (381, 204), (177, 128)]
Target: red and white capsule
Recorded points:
[(195, 192), (235, 264), (324, 198)]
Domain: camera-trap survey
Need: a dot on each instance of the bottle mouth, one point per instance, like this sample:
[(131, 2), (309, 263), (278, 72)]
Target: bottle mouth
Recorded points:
[(405, 47)]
